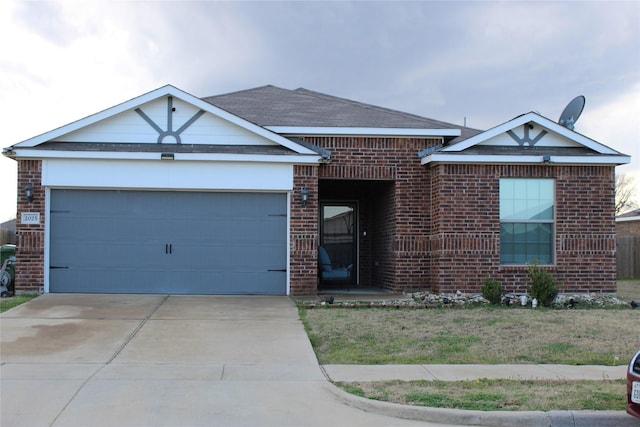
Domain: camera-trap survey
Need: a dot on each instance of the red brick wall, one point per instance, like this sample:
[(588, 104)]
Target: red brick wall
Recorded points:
[(304, 232), (628, 228), (465, 243), (30, 238), (382, 232)]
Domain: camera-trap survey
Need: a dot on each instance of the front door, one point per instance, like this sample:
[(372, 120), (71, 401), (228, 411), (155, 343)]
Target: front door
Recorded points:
[(338, 236)]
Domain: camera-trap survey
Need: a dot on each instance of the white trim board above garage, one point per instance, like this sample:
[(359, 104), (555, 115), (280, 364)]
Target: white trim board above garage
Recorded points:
[(208, 176)]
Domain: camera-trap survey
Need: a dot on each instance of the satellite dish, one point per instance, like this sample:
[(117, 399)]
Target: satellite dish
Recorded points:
[(572, 112)]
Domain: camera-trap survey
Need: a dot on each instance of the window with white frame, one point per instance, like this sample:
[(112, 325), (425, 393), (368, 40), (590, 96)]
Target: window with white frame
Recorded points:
[(527, 221)]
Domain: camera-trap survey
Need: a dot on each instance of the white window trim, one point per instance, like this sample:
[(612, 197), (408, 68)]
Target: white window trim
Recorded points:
[(553, 223)]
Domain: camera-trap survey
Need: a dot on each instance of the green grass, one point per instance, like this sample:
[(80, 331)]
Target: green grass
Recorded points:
[(498, 395), (8, 303)]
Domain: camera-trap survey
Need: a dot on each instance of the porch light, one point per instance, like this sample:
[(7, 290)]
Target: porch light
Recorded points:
[(305, 196), (28, 192)]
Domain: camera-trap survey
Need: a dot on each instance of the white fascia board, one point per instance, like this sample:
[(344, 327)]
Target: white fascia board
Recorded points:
[(598, 160), (119, 155), (488, 134), (166, 90), (628, 218), (359, 131), (493, 159), (546, 123)]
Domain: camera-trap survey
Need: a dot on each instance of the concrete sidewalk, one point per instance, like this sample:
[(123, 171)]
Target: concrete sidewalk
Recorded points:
[(366, 373)]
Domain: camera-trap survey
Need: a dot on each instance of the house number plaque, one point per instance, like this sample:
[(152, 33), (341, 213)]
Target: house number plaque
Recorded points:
[(30, 218)]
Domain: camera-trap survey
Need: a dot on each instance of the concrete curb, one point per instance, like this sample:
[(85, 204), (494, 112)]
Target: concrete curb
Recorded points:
[(366, 373), (486, 418)]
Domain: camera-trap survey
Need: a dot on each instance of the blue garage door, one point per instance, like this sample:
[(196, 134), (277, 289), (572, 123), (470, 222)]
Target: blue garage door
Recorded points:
[(168, 242)]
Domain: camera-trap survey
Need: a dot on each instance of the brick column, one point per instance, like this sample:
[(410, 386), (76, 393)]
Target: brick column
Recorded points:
[(303, 264), (30, 237)]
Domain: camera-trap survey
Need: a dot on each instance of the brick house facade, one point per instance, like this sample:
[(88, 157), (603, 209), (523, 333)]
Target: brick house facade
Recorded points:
[(425, 195)]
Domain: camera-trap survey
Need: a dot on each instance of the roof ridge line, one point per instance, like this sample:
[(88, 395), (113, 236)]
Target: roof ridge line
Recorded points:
[(241, 91)]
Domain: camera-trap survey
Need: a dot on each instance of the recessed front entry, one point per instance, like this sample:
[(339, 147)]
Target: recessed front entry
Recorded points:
[(168, 242)]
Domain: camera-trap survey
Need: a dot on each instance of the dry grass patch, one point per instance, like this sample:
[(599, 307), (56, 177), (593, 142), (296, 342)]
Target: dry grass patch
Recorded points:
[(629, 290), (475, 336), (498, 395)]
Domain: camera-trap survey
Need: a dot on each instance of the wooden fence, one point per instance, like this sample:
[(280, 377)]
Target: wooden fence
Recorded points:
[(628, 257), (7, 236)]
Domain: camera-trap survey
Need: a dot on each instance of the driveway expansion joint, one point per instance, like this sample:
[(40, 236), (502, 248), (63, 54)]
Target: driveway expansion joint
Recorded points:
[(136, 330)]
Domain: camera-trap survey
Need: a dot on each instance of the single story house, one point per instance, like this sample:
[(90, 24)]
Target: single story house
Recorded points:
[(276, 191), (628, 245), (628, 224), (8, 232)]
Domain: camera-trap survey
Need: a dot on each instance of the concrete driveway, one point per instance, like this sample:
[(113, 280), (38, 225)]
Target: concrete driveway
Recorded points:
[(157, 360)]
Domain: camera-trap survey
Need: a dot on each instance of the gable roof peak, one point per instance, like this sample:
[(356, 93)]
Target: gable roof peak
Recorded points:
[(156, 94), (497, 145)]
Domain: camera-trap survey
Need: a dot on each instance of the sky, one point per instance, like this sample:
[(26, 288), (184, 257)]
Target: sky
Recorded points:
[(485, 62)]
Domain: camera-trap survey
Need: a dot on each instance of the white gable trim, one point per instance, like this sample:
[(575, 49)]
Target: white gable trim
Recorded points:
[(167, 90), (441, 157), (628, 218), (360, 131), (544, 122)]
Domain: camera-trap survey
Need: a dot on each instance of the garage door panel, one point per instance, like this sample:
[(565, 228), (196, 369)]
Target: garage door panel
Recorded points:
[(90, 280), (105, 255), (167, 242), (74, 228)]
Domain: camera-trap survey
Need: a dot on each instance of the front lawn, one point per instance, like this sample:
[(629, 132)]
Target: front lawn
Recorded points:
[(14, 301), (498, 395), (481, 335)]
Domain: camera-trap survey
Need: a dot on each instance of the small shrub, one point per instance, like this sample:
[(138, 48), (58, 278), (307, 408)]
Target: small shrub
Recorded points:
[(543, 285), (492, 290)]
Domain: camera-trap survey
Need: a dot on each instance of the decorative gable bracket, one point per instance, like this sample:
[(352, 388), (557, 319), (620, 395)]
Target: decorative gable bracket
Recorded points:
[(561, 146), (526, 139), (162, 134)]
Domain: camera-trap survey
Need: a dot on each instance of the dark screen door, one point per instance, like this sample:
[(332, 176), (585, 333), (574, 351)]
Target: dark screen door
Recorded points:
[(338, 236)]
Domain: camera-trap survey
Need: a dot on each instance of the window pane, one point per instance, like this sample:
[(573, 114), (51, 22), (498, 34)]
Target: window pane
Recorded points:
[(523, 199), (506, 244), (506, 198), (522, 243)]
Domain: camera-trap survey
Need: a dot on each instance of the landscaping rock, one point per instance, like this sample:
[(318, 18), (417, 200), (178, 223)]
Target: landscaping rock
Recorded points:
[(422, 300)]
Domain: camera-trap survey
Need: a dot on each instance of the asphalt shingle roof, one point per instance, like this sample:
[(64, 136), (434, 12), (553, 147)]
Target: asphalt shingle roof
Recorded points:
[(274, 106)]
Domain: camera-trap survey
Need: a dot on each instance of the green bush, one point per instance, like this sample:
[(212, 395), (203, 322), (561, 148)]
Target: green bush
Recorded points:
[(492, 290), (543, 285)]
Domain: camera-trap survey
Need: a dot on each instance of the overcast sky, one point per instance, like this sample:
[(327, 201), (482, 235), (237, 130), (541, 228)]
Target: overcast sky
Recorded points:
[(484, 61)]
